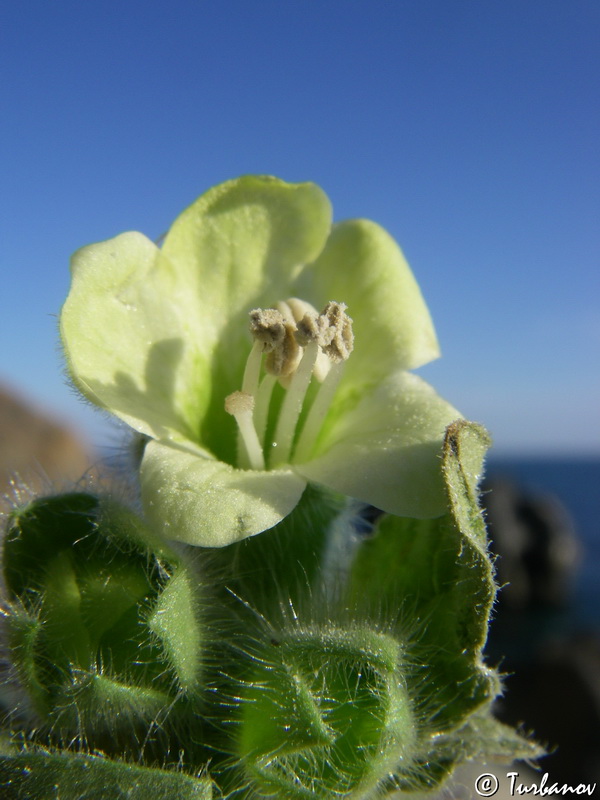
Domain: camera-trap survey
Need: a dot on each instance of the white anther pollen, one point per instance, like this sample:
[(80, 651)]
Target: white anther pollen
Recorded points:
[(267, 326), (341, 337), (294, 310), (283, 360), (241, 406), (308, 329)]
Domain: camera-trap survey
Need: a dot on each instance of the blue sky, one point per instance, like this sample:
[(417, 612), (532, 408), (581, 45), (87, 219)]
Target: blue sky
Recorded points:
[(469, 130)]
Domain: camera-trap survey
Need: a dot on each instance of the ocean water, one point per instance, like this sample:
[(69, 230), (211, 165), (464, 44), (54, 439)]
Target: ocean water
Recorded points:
[(576, 484)]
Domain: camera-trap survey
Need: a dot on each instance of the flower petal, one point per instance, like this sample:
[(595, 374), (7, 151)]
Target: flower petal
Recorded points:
[(193, 498), (236, 248), (363, 267), (130, 339), (160, 337), (243, 241), (386, 451)]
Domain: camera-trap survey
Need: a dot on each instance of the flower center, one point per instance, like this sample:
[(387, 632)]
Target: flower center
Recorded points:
[(292, 343)]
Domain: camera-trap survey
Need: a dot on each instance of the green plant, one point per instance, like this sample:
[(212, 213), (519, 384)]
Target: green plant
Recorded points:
[(256, 629)]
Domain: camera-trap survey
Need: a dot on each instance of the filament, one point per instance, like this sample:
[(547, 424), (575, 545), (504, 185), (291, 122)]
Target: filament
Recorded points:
[(292, 405), (318, 412)]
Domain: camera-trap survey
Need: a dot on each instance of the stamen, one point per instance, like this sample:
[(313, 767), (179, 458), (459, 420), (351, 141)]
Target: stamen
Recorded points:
[(292, 405), (318, 412), (241, 406), (294, 310), (298, 343), (309, 329), (252, 370), (263, 400), (334, 331), (283, 360), (268, 330)]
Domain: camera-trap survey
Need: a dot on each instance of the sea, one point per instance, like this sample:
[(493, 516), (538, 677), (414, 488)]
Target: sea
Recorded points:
[(575, 483)]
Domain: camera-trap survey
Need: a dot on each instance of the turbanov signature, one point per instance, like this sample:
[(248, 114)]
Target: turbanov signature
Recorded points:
[(487, 785)]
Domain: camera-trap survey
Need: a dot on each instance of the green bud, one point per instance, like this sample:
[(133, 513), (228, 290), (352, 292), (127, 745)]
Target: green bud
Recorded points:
[(326, 713), (103, 624), (39, 774)]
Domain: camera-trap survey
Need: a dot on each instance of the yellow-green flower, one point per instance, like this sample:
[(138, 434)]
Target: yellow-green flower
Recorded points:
[(243, 405)]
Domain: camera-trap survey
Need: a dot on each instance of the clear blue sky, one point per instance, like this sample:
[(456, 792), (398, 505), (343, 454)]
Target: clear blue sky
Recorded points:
[(469, 129)]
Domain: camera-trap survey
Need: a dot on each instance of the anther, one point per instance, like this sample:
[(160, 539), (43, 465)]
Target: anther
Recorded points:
[(267, 326), (341, 337), (283, 360), (308, 329)]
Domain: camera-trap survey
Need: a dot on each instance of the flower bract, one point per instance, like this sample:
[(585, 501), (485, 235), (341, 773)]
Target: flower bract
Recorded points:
[(259, 348)]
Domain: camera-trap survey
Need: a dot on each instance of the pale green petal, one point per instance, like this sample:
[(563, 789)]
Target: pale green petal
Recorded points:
[(240, 245), (236, 248), (131, 337), (192, 498), (243, 241), (386, 451), (160, 337), (363, 267)]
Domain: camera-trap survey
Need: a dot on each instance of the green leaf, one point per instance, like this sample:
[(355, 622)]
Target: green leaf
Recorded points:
[(37, 531), (24, 631), (435, 579), (481, 738), (45, 775), (465, 446), (170, 621), (484, 737)]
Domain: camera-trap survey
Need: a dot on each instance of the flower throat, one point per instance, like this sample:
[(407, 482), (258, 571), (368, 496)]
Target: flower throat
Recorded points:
[(296, 343)]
